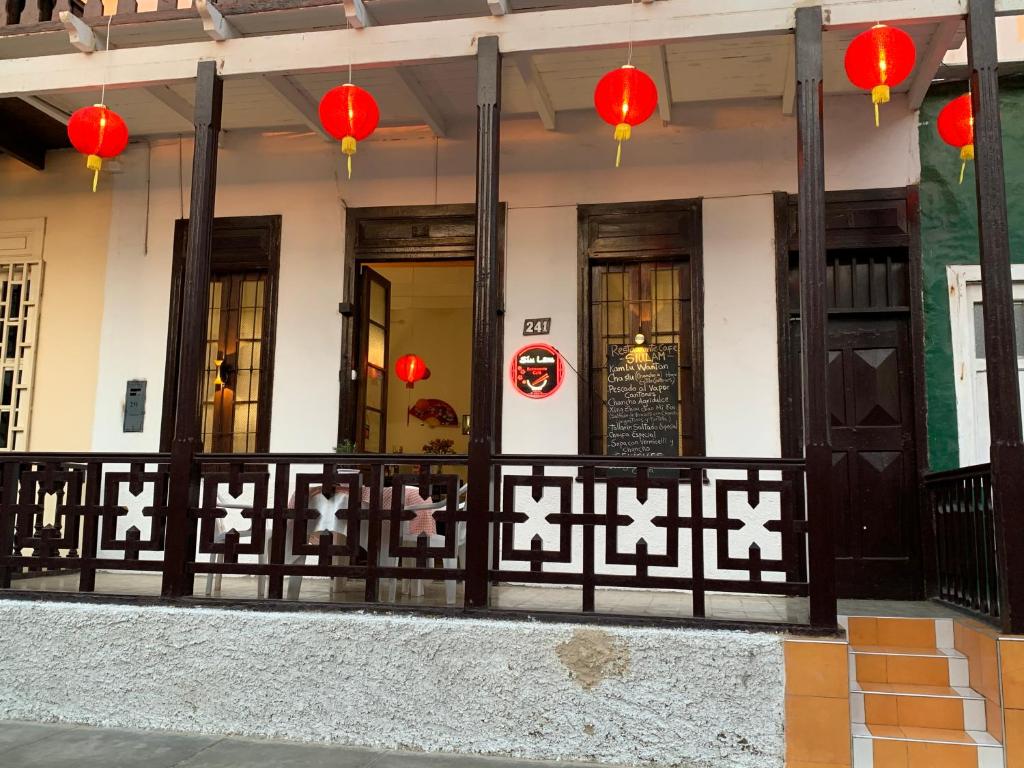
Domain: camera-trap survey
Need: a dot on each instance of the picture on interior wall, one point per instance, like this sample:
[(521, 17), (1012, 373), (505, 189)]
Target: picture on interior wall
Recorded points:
[(434, 413)]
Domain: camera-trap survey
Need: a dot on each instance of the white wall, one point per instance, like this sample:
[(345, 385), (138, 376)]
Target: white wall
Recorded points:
[(733, 156), (724, 152)]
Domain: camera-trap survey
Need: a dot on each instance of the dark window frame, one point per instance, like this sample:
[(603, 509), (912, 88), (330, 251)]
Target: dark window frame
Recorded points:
[(232, 252), (691, 248)]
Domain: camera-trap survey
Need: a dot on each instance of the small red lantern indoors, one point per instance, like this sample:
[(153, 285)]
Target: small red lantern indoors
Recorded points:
[(350, 115), (625, 97), (956, 127), (98, 133), (410, 369), (879, 59)]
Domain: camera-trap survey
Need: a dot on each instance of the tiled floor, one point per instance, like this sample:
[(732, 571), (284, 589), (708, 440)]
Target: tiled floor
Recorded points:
[(633, 602), (35, 745)]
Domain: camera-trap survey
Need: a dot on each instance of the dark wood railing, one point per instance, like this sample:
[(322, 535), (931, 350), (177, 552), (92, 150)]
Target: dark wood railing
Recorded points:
[(960, 502), (686, 526)]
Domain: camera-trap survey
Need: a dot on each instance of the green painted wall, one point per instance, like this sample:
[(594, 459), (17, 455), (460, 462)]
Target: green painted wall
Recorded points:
[(949, 235)]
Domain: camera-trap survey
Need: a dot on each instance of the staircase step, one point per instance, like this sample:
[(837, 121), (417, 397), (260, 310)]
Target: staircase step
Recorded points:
[(911, 705), (900, 665), (912, 633), (888, 746)]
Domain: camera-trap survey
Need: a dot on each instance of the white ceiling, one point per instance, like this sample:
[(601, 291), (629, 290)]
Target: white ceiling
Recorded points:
[(698, 70)]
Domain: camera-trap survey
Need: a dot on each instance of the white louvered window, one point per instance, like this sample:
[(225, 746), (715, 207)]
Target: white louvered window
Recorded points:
[(21, 284)]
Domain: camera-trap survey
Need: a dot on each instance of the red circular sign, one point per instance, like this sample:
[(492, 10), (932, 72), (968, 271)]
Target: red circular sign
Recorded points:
[(537, 371)]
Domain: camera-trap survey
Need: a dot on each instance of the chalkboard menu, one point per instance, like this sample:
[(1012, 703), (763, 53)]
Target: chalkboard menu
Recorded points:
[(643, 400)]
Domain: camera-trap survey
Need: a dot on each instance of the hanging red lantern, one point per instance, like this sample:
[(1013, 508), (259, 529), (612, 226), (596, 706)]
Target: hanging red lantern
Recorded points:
[(625, 97), (98, 133), (879, 59), (410, 369), (350, 115), (956, 127)]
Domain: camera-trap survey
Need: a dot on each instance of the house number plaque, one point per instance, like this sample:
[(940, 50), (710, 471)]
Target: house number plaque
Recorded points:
[(537, 326)]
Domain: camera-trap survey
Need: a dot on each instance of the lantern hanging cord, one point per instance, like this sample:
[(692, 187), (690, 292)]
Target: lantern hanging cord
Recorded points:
[(106, 73), (629, 34)]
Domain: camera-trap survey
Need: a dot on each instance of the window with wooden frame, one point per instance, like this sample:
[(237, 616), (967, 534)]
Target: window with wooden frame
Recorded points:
[(641, 297), (21, 286), (237, 380)]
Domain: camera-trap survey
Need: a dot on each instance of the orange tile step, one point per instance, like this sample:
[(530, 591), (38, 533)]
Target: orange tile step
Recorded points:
[(928, 706), (902, 665), (890, 746), (906, 633)]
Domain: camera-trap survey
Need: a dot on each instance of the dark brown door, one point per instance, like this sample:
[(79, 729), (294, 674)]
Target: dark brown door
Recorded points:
[(873, 461), (374, 314), (871, 408)]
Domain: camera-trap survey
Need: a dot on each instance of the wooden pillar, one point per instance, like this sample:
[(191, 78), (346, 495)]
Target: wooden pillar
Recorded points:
[(1004, 408), (814, 315), (486, 370), (184, 490)]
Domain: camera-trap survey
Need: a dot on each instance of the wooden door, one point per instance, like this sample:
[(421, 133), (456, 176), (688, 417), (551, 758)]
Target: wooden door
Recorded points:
[(873, 460), (872, 427), (373, 330)]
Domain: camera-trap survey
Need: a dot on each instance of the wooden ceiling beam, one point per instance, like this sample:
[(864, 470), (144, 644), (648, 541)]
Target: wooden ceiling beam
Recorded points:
[(662, 79), (170, 99), (499, 7), (943, 39), (424, 104), (356, 14), (297, 101), (537, 89)]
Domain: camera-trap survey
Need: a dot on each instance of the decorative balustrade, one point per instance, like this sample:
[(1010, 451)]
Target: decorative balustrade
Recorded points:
[(682, 527), (960, 502), (687, 525)]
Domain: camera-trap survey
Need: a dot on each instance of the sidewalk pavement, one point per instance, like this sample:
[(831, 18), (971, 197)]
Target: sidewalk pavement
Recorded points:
[(38, 745)]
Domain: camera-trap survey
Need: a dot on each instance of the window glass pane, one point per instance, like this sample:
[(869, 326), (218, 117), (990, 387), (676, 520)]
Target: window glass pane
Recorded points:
[(375, 347), (640, 296), (378, 303), (374, 388), (979, 329), (371, 431)]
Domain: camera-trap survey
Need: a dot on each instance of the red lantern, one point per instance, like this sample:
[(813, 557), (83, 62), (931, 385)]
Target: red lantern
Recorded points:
[(879, 59), (410, 369), (956, 127), (349, 114), (625, 97), (99, 133)]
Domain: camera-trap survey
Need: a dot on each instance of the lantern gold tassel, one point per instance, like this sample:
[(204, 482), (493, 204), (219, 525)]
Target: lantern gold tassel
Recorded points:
[(966, 154), (879, 95), (348, 146), (94, 163), (623, 132)]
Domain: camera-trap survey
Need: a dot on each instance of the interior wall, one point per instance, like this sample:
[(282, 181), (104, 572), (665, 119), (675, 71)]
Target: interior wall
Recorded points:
[(727, 152), (74, 256)]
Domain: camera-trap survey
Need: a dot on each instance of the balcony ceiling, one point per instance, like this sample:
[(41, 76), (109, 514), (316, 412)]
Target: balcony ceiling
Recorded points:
[(440, 93)]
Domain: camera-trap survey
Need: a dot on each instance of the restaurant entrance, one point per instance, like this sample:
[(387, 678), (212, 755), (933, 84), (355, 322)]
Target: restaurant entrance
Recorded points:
[(416, 315), (410, 278)]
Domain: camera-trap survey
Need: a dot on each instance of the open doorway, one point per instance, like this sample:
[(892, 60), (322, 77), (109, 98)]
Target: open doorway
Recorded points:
[(421, 308), (410, 285)]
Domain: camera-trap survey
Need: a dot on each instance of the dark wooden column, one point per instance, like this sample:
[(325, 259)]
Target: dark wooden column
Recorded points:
[(184, 491), (814, 314), (486, 370), (1004, 409)]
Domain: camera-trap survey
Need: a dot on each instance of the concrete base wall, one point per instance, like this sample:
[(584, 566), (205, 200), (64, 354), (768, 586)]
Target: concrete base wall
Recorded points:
[(679, 697)]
